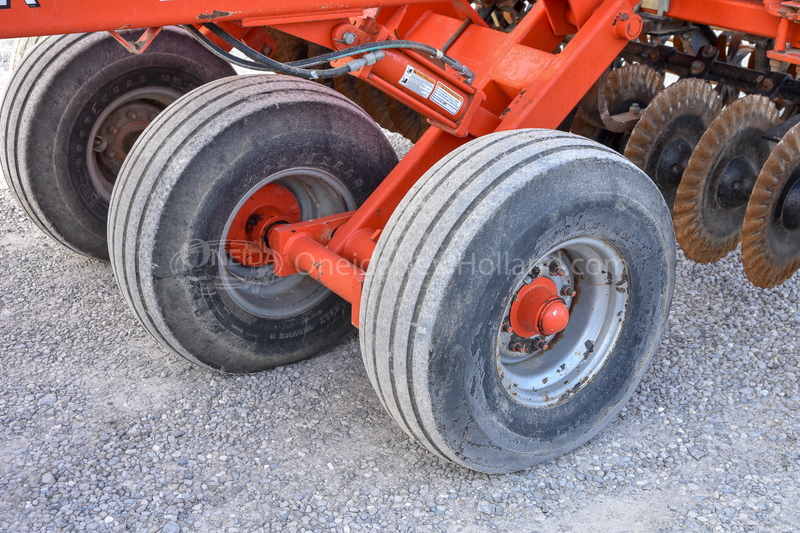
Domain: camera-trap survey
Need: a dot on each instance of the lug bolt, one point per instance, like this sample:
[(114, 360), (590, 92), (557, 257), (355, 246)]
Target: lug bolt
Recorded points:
[(113, 130), (506, 327), (111, 153), (555, 269), (539, 344), (517, 347), (697, 67), (132, 115), (566, 290)]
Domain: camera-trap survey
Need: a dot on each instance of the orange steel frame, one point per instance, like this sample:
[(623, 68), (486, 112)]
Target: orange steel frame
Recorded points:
[(522, 79)]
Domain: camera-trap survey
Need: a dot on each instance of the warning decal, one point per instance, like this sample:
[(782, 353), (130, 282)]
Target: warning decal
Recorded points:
[(417, 81), (446, 98)]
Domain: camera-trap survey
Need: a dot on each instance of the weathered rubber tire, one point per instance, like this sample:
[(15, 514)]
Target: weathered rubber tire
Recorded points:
[(57, 95), (427, 317), (21, 48), (185, 177)]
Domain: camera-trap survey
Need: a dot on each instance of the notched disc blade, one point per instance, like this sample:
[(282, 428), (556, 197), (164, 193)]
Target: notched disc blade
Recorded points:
[(771, 230), (625, 86), (670, 128), (712, 197)]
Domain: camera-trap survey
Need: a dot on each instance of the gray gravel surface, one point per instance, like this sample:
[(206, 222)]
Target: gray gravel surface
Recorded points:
[(102, 429)]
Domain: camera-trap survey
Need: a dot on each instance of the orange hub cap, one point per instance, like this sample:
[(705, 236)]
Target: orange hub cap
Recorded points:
[(538, 310), (246, 241)]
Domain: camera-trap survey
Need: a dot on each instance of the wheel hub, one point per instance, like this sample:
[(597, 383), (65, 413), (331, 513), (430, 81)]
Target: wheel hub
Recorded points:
[(790, 208), (246, 242), (538, 310), (735, 183), (562, 319)]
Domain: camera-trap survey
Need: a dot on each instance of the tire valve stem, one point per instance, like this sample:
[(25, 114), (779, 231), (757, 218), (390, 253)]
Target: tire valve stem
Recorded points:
[(556, 269), (566, 290)]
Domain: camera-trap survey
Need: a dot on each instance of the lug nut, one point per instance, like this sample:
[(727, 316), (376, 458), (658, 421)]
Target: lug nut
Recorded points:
[(132, 115), (555, 269), (516, 347), (113, 130), (506, 327), (539, 344), (566, 290)]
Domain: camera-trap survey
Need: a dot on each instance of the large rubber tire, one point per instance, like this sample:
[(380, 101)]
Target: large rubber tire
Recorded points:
[(437, 286), (189, 173), (21, 49), (63, 90)]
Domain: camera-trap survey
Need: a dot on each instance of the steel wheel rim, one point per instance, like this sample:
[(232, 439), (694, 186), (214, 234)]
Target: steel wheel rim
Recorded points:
[(256, 289), (543, 378), (103, 178)]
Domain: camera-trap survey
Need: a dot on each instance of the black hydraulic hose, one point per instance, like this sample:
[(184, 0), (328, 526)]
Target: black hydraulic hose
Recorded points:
[(297, 68)]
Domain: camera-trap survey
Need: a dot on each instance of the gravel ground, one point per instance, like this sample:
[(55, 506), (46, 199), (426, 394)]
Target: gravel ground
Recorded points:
[(102, 429)]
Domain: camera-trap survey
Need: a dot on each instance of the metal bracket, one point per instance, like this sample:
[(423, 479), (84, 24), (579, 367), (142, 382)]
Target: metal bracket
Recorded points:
[(701, 66), (139, 45)]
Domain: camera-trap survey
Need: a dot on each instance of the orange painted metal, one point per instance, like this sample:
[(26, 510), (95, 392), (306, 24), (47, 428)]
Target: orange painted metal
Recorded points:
[(269, 206), (538, 310), (139, 45), (521, 79)]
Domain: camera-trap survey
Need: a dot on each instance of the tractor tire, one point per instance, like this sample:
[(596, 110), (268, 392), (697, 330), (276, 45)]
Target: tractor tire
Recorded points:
[(73, 109), (450, 263), (183, 189), (21, 48)]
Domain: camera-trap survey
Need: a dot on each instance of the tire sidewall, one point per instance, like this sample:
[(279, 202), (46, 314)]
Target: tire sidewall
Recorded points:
[(203, 318), (95, 72), (462, 366)]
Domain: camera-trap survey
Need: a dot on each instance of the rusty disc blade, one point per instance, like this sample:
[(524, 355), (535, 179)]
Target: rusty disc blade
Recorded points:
[(625, 86), (712, 197), (771, 229), (670, 128)]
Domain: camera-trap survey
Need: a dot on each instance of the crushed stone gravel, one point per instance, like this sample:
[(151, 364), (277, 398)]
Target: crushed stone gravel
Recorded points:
[(101, 429)]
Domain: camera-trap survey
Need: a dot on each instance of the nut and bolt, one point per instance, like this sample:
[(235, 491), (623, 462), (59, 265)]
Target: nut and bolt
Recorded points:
[(112, 130), (132, 115), (539, 344), (767, 84), (349, 38), (556, 269), (566, 290), (516, 347), (709, 51), (635, 109), (697, 67), (654, 55), (506, 327)]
